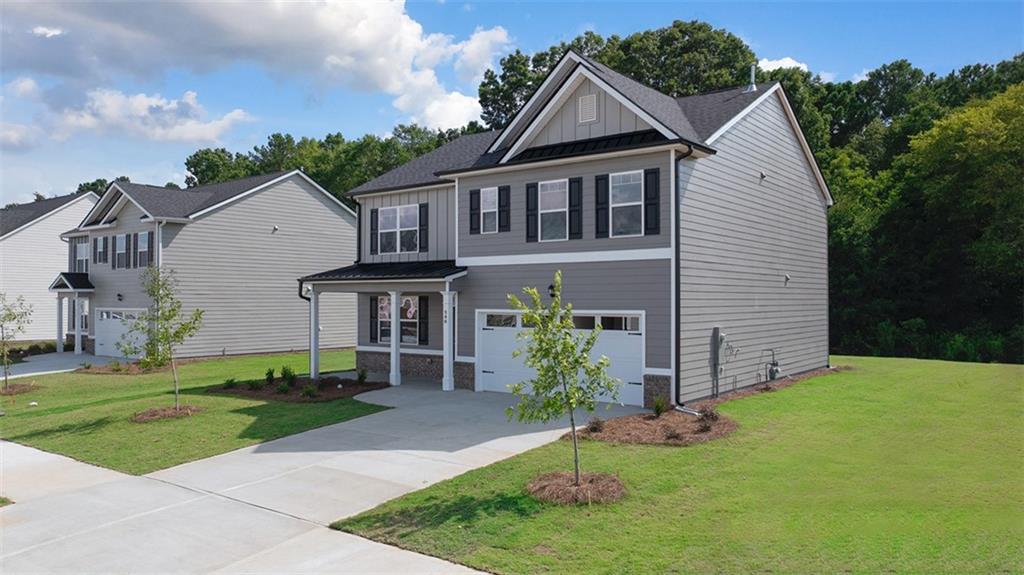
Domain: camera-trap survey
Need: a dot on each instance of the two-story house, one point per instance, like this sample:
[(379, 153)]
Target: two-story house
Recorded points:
[(692, 230), (235, 249)]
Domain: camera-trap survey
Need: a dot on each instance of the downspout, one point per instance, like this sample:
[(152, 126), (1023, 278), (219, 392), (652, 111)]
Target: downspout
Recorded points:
[(677, 277), (359, 232), (301, 295)]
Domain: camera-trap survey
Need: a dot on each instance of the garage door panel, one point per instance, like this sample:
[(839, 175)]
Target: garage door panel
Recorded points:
[(111, 326)]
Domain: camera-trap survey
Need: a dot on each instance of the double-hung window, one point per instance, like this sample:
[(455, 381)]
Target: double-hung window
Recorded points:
[(143, 250), (82, 257), (553, 201), (489, 210), (120, 251), (101, 250), (627, 204), (398, 229), (409, 319)]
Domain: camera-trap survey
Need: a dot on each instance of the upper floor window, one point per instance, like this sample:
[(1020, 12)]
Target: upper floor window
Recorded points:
[(398, 229), (120, 251), (82, 257), (553, 200), (143, 250), (627, 204), (101, 250), (489, 210)]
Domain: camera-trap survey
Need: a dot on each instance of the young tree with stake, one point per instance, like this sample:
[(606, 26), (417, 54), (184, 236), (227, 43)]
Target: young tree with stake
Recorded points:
[(14, 318), (566, 378)]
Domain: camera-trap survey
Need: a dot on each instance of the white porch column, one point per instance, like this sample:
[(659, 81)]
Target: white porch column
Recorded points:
[(314, 334), (448, 379), (78, 324), (396, 338), (60, 323)]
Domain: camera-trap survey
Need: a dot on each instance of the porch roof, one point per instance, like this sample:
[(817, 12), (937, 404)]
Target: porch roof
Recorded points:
[(398, 271), (73, 282)]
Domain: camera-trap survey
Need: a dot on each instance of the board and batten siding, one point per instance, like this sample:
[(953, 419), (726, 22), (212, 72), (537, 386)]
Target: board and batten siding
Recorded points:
[(612, 118), (739, 238), (643, 285), (440, 227), (243, 272), (514, 242), (30, 260)]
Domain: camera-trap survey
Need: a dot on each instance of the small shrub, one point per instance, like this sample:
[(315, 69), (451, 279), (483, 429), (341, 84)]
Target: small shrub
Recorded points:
[(86, 365), (33, 349), (255, 384), (671, 433), (115, 366), (269, 376), (282, 387), (660, 406), (708, 414), (288, 375), (230, 383), (703, 426), (309, 390), (361, 375), (595, 425)]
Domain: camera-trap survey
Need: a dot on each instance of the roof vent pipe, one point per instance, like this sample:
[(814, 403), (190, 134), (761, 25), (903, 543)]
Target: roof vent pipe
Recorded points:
[(752, 87)]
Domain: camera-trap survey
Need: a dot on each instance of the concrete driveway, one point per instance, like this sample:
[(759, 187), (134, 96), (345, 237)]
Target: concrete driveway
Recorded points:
[(47, 363), (258, 509)]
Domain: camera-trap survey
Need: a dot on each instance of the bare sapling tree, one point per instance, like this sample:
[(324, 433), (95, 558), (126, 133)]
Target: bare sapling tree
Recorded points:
[(14, 319), (565, 377), (156, 333)]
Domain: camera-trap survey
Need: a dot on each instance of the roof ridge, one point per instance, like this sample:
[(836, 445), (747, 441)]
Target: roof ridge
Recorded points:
[(720, 90), (36, 202)]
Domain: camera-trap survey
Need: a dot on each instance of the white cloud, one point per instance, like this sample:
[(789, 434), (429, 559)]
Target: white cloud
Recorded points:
[(17, 137), (46, 32), (861, 76), (785, 62), (827, 76), (366, 46), (23, 87), (148, 117)]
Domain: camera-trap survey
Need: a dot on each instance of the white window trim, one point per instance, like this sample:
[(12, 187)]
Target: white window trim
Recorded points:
[(579, 109), (101, 254), (398, 229), (483, 211), (121, 249), (612, 205), (540, 212), (144, 236), (381, 323), (82, 255)]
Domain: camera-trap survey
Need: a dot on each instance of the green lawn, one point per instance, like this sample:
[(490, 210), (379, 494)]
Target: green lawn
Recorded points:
[(898, 466), (5, 501), (87, 416)]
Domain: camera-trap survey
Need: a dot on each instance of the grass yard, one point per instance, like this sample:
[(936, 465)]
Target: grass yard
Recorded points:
[(898, 466), (87, 416)]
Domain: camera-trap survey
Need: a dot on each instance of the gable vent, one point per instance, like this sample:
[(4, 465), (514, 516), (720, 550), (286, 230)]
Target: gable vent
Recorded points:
[(588, 108)]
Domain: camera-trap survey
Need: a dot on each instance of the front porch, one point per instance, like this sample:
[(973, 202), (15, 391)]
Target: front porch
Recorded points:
[(398, 297), (78, 290)]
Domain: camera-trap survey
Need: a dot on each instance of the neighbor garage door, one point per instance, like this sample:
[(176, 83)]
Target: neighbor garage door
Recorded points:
[(621, 340), (111, 325)]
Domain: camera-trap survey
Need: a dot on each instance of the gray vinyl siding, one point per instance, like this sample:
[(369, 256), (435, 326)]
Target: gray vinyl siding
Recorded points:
[(739, 237), (233, 264), (435, 333), (608, 286), (612, 118), (441, 227), (514, 241)]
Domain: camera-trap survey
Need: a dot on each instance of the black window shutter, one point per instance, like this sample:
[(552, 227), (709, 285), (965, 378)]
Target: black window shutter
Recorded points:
[(94, 252), (531, 212), (135, 250), (424, 320), (373, 317), (652, 202), (575, 208), (113, 246), (106, 250), (373, 232), (504, 209), (474, 211), (601, 206), (424, 227), (152, 250)]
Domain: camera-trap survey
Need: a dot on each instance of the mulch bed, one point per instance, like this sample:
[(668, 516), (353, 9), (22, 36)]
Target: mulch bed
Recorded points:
[(557, 487), (18, 388), (327, 390), (158, 413), (671, 428)]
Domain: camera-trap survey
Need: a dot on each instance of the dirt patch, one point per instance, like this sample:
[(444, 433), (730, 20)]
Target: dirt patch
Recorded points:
[(671, 428), (557, 487), (329, 389), (158, 413), (19, 388)]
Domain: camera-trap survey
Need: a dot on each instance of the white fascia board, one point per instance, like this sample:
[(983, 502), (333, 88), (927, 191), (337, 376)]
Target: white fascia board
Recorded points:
[(102, 204), (279, 179), (48, 214), (743, 113), (120, 203), (556, 102), (568, 257)]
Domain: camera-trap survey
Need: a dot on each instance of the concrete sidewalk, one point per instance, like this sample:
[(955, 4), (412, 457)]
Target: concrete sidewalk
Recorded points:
[(48, 363)]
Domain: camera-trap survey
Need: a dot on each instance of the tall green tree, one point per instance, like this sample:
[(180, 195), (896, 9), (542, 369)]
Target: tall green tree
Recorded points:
[(212, 165)]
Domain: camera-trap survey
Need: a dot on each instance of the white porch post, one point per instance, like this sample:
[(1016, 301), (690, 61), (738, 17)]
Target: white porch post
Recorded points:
[(448, 379), (78, 324), (314, 335), (60, 323), (396, 338)]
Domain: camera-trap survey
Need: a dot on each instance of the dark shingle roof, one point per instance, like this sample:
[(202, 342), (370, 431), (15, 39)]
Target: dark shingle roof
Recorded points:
[(72, 280), (389, 271), (710, 111), (163, 202), (16, 216), (614, 142)]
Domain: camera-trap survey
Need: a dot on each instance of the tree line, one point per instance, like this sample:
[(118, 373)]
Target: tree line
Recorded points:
[(926, 238)]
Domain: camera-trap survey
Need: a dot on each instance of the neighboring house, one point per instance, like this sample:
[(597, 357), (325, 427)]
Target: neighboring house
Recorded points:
[(31, 253), (235, 248), (693, 230)]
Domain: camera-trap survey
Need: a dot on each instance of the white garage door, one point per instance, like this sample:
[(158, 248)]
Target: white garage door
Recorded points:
[(111, 325), (622, 340)]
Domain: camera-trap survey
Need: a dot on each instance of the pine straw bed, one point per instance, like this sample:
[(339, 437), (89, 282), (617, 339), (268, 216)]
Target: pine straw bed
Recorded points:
[(158, 413), (557, 487)]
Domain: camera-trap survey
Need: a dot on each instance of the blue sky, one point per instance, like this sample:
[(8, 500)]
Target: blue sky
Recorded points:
[(101, 90)]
